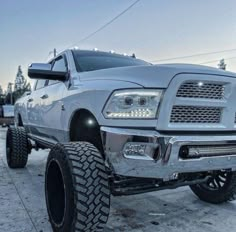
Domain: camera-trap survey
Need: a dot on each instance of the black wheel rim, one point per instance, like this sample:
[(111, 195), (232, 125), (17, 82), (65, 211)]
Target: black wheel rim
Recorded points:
[(55, 193), (217, 181)]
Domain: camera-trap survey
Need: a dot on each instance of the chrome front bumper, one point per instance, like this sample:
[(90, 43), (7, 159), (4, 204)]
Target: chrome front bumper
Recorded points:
[(167, 164)]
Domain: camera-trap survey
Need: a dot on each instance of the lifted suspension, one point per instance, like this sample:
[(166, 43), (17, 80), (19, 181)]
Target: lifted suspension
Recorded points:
[(130, 186)]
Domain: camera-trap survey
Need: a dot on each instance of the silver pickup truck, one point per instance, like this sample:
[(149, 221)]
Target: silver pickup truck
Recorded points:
[(119, 125)]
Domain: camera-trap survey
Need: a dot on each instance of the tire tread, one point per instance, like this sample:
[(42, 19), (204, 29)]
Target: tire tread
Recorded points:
[(90, 185), (19, 144)]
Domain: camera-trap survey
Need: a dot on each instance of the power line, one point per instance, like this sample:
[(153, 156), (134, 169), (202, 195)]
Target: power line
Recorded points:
[(106, 24), (102, 27), (194, 55), (213, 61)]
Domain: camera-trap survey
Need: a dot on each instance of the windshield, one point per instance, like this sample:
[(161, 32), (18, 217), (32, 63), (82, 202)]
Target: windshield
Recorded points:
[(91, 60)]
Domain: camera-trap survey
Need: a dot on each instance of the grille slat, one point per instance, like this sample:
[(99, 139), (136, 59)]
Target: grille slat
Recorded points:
[(197, 89), (195, 114)]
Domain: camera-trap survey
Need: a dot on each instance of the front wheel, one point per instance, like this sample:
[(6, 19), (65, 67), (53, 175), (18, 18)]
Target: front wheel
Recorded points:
[(219, 188), (77, 188)]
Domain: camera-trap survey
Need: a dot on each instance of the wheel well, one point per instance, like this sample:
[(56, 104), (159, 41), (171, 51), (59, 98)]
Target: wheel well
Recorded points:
[(20, 122), (84, 127)]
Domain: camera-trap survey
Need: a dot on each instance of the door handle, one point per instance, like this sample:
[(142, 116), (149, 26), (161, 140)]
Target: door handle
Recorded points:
[(30, 100), (44, 96)]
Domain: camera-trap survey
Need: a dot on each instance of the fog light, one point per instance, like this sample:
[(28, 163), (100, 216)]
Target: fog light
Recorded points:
[(143, 151)]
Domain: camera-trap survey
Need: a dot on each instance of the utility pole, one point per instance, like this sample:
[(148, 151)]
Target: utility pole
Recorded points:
[(55, 52), (11, 92)]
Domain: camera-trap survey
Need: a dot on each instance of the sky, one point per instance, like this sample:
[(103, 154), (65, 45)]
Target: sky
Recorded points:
[(152, 29)]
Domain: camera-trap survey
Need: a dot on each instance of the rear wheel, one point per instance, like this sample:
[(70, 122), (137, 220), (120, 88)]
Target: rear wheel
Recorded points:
[(221, 187), (16, 147), (76, 188)]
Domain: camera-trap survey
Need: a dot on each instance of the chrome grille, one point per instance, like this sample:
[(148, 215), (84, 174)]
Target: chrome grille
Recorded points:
[(195, 114), (198, 89)]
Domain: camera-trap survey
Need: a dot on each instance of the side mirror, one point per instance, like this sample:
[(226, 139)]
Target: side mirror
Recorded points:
[(44, 71)]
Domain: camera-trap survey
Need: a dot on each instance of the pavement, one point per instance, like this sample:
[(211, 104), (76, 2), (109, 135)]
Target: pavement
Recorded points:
[(23, 209)]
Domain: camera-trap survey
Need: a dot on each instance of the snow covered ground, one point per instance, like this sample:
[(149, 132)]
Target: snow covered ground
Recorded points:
[(23, 209)]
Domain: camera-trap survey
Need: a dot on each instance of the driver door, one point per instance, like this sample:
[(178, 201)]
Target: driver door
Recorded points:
[(52, 108)]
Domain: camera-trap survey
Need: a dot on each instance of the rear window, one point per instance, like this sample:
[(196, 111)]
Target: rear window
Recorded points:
[(91, 61)]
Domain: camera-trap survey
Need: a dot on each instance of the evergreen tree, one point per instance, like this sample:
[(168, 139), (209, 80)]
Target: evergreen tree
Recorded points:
[(20, 81), (20, 86)]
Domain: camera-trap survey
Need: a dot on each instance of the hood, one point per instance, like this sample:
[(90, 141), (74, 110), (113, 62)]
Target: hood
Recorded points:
[(151, 75)]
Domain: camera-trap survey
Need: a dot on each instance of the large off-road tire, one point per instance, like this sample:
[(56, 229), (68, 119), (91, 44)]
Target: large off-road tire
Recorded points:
[(77, 188), (221, 187), (16, 147)]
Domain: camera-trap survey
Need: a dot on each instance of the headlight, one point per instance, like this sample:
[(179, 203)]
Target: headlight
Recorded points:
[(136, 104)]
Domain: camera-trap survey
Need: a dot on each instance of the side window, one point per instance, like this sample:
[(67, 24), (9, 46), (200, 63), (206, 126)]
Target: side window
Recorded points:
[(59, 65), (40, 84), (52, 82)]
